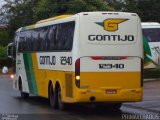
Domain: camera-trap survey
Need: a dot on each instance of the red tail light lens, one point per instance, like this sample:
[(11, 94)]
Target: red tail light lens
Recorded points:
[(108, 57), (77, 73), (77, 67), (122, 57), (97, 58)]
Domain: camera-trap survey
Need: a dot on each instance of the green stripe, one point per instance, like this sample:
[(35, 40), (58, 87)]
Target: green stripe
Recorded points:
[(100, 23), (30, 73), (147, 50)]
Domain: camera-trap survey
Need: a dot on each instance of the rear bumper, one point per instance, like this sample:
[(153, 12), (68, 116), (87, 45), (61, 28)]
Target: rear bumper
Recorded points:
[(123, 95)]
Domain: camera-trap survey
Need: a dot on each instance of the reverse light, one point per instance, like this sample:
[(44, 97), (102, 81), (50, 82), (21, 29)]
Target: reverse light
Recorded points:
[(77, 77)]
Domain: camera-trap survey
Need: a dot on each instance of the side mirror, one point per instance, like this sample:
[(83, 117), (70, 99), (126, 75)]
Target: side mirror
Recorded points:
[(11, 51)]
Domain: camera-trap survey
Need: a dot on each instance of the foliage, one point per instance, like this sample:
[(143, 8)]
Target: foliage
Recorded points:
[(18, 13), (148, 10), (3, 51), (4, 60), (118, 5), (4, 38), (50, 8), (25, 12)]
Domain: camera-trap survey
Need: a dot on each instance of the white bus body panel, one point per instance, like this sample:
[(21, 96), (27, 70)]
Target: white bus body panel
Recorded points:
[(113, 47)]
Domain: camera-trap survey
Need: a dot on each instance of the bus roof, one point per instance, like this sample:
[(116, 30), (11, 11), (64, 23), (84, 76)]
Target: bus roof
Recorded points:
[(69, 15), (54, 18), (150, 25), (43, 21)]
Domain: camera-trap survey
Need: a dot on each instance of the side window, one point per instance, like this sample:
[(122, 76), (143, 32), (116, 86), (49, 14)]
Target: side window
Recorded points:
[(64, 36), (31, 40), (28, 39), (69, 34), (63, 39), (59, 37), (22, 46), (51, 37), (19, 46), (25, 41), (43, 39), (55, 37), (34, 37)]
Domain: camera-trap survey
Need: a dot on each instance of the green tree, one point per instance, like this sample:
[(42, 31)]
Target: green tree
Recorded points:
[(3, 52), (50, 8), (148, 10), (4, 38), (116, 4), (4, 60), (18, 13)]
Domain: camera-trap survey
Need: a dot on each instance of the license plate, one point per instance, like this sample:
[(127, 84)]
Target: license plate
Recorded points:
[(111, 91)]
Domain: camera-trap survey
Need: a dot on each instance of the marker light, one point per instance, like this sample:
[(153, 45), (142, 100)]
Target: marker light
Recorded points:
[(12, 76)]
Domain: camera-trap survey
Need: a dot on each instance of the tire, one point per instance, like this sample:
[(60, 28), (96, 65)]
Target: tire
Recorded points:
[(52, 97), (61, 105), (23, 94)]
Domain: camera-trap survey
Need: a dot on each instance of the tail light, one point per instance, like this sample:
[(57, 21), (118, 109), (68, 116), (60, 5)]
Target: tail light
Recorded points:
[(77, 73)]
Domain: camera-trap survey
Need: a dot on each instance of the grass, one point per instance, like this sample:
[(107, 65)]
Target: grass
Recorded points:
[(151, 73)]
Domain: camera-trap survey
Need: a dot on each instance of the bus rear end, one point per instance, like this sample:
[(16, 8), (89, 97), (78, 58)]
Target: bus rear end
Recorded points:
[(110, 58)]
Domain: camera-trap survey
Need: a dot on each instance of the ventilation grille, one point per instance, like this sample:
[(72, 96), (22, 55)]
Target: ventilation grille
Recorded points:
[(69, 85)]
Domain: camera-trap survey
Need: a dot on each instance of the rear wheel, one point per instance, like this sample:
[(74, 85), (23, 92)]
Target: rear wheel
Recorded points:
[(52, 97), (61, 105)]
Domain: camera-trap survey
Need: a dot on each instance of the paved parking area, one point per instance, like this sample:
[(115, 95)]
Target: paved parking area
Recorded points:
[(151, 98)]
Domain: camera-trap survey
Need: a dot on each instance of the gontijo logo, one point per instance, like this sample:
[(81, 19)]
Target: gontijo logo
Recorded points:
[(111, 24)]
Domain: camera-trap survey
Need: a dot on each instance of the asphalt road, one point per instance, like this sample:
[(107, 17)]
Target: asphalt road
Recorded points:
[(13, 107)]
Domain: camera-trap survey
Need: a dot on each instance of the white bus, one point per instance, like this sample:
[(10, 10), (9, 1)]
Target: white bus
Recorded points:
[(89, 57), (151, 34)]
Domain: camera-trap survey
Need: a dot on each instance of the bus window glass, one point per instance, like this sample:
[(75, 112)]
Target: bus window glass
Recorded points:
[(43, 34), (28, 39), (69, 35), (152, 34), (35, 40), (59, 37)]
